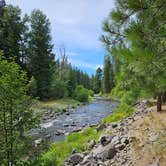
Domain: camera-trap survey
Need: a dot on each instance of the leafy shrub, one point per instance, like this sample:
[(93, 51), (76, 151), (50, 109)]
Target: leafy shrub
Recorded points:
[(81, 94), (58, 89), (91, 93)]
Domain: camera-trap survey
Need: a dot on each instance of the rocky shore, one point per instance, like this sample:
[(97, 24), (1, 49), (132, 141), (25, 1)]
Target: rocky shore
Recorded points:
[(129, 142)]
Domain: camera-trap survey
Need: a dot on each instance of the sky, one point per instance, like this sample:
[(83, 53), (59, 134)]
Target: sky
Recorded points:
[(76, 24)]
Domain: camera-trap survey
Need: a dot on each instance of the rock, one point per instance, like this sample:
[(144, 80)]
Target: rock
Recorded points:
[(65, 125), (88, 158), (141, 145), (48, 136), (76, 129), (103, 140), (124, 140), (73, 124), (38, 142), (75, 159), (60, 132), (104, 153), (120, 146), (114, 125), (115, 140), (74, 151), (93, 125), (67, 113), (100, 127), (109, 162), (91, 144), (153, 137)]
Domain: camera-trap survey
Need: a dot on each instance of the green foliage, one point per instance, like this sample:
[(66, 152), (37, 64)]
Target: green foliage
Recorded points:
[(58, 89), (135, 37), (81, 94), (121, 112), (12, 34), (16, 117), (32, 87), (60, 151)]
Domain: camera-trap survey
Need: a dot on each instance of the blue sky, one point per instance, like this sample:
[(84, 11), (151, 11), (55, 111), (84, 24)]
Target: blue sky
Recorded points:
[(77, 24)]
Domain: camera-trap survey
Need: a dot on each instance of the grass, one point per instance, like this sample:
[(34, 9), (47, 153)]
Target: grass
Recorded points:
[(56, 105), (121, 112), (60, 151)]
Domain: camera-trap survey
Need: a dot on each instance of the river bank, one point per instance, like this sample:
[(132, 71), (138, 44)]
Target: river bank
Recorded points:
[(137, 140)]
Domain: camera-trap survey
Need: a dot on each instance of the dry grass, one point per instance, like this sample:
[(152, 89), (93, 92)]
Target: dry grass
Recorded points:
[(141, 130)]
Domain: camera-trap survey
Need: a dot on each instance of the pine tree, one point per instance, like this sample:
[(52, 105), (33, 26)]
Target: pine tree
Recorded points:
[(40, 52), (98, 80), (135, 35), (107, 75)]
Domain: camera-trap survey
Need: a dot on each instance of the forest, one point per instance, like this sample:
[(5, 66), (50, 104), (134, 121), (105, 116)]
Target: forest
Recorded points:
[(134, 37)]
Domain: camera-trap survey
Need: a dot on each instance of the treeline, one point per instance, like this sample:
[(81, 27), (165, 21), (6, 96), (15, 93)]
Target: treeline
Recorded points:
[(135, 40), (27, 40), (103, 80)]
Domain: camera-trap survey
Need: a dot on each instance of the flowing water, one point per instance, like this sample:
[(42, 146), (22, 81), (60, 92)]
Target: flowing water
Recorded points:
[(85, 115)]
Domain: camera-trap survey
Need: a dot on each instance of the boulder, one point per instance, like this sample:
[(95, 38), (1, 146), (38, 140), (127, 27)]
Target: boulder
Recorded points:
[(104, 153)]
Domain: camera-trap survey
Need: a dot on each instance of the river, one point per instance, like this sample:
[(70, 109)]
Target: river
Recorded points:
[(56, 129)]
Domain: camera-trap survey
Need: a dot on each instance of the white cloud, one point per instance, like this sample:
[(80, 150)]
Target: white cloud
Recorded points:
[(74, 22), (80, 63)]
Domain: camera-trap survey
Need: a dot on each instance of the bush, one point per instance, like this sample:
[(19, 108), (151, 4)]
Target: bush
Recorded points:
[(58, 89), (81, 94), (91, 93)]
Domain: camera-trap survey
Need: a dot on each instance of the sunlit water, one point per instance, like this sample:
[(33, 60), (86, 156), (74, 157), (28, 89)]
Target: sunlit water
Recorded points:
[(84, 115)]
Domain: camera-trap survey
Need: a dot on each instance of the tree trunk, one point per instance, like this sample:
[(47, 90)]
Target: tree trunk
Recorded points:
[(159, 103), (164, 97)]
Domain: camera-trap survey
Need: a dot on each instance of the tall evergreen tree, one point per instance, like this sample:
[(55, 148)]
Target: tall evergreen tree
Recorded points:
[(12, 33), (40, 52), (98, 80), (107, 75)]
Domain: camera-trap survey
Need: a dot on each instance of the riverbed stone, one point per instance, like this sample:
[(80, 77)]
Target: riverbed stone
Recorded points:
[(77, 129)]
